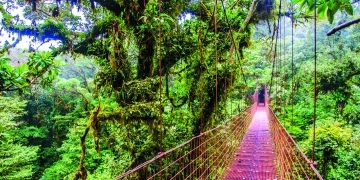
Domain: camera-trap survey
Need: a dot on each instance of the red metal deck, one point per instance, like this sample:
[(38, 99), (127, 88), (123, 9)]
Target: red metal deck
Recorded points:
[(255, 158)]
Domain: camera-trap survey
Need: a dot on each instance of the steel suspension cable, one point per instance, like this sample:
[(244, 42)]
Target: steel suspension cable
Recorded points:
[(276, 57), (274, 66), (231, 86), (315, 83), (278, 83), (292, 62), (284, 61), (216, 60), (234, 45), (201, 69), (236, 49), (160, 78), (160, 84), (280, 61), (233, 41)]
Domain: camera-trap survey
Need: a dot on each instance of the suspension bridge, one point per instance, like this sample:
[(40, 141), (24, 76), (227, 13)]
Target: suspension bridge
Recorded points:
[(252, 145)]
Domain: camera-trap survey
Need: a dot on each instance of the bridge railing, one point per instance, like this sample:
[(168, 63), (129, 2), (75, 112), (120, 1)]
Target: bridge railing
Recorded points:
[(291, 162), (205, 156)]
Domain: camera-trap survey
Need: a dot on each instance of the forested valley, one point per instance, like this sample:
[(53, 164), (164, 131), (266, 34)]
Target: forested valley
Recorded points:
[(91, 89)]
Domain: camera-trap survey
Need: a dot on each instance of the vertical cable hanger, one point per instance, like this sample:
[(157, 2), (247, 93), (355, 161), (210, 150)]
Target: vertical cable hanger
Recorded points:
[(278, 74), (201, 53), (275, 57), (284, 62), (315, 84), (226, 65), (160, 77), (201, 69), (281, 62), (233, 41), (225, 88), (216, 60), (225, 82), (231, 86), (292, 61), (237, 55), (273, 71), (280, 59)]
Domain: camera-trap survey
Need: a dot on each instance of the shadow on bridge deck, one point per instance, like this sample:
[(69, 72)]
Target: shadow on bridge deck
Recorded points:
[(255, 158)]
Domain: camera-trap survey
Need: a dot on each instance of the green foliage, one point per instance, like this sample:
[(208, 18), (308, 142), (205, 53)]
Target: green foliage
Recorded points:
[(328, 8), (40, 68), (352, 108), (332, 148), (16, 160), (54, 110), (103, 165)]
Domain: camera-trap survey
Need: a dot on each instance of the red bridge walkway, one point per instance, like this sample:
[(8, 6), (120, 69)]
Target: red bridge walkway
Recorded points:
[(255, 158)]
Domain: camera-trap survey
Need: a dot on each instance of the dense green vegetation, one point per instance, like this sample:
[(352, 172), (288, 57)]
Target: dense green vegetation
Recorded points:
[(133, 78)]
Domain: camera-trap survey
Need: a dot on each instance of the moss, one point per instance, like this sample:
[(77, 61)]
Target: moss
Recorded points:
[(53, 30), (147, 111), (139, 91)]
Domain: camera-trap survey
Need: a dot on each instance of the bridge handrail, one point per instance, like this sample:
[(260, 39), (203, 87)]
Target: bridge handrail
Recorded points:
[(310, 163), (163, 154)]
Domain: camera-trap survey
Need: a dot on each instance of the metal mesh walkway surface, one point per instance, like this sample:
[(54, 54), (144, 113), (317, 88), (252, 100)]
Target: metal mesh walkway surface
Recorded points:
[(255, 158)]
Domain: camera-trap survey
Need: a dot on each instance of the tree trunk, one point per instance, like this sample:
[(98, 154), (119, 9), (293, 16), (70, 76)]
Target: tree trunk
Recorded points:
[(146, 53)]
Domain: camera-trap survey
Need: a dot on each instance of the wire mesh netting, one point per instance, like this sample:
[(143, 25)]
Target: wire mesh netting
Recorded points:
[(291, 162), (205, 156)]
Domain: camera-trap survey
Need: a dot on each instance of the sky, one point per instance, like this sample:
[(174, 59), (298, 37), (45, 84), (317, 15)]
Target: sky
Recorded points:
[(38, 45), (27, 40)]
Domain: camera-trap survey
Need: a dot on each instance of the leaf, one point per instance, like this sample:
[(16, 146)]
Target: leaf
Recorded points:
[(322, 9), (302, 3), (4, 59), (299, 1), (23, 68), (349, 9), (310, 4), (330, 15)]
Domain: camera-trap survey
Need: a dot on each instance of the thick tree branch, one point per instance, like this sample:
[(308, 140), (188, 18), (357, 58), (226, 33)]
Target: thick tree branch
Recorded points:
[(342, 26), (111, 5), (100, 28), (249, 15), (82, 172), (50, 29)]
